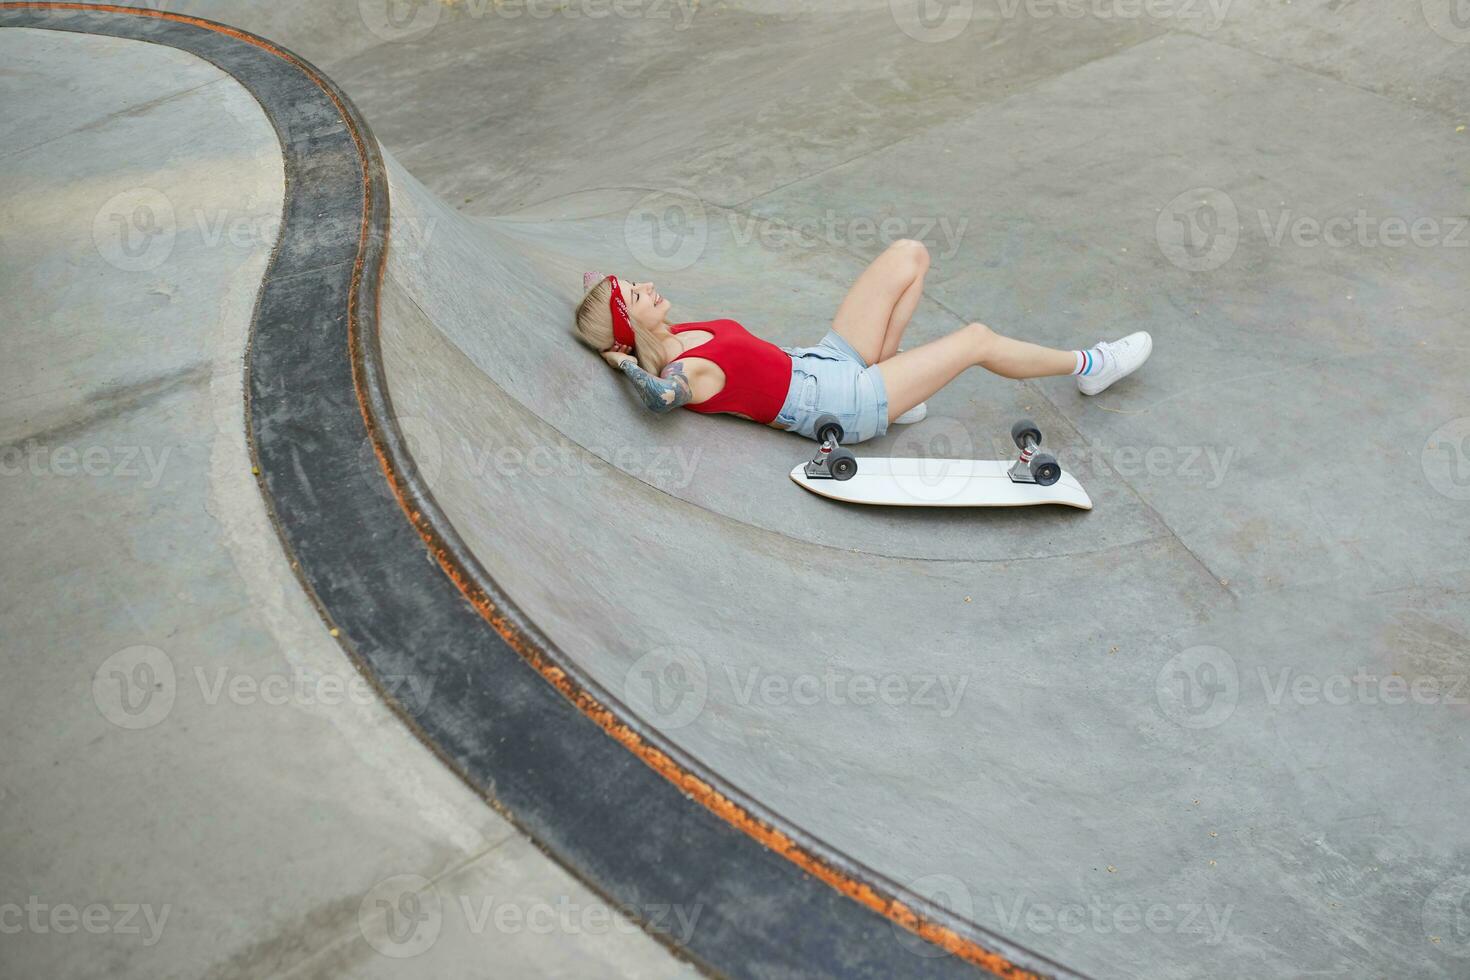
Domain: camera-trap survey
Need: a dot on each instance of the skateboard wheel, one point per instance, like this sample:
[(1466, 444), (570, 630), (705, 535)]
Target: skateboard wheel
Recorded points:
[(1045, 469), (1025, 428), (842, 464), (828, 425)]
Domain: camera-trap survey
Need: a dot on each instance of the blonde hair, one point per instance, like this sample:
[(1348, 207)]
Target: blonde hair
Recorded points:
[(595, 329)]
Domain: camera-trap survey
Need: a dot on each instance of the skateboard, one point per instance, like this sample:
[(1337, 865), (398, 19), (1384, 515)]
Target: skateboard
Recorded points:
[(1032, 478)]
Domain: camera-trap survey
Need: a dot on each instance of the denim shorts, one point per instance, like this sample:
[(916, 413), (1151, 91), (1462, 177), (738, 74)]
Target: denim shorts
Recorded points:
[(833, 379)]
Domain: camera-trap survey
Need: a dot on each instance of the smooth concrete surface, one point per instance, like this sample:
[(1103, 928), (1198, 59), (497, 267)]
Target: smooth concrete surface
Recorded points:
[(501, 105), (1035, 747), (196, 781), (1214, 728)]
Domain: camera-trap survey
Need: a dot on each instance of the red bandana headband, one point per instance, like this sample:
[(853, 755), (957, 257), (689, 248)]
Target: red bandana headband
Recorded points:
[(622, 326)]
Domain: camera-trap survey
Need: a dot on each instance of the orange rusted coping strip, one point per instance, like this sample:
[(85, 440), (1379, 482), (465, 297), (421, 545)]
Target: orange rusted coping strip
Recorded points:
[(687, 782)]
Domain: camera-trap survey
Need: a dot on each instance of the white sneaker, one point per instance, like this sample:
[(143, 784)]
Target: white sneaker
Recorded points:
[(916, 414), (1120, 359)]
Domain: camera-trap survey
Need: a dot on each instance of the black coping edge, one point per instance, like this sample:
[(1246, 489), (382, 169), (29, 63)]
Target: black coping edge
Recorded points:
[(564, 761)]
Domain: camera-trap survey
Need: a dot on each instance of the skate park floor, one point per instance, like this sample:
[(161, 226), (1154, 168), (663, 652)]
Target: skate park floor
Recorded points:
[(1214, 727)]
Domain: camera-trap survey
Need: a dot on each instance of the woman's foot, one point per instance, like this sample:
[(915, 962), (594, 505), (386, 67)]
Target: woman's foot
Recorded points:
[(1120, 358), (916, 414)]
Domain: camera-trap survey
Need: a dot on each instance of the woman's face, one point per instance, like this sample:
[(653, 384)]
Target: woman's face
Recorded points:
[(646, 306)]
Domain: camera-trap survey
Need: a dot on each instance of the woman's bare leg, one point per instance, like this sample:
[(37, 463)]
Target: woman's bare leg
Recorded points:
[(903, 311), (915, 375), (878, 307)]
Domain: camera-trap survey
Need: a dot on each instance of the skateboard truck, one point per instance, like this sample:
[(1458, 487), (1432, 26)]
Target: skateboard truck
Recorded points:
[(831, 461), (1032, 466)]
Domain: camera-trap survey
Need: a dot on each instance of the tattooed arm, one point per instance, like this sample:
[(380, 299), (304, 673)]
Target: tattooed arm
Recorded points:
[(664, 393)]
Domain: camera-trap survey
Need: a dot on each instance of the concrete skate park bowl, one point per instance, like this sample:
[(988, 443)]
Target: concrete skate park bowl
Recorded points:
[(1215, 727)]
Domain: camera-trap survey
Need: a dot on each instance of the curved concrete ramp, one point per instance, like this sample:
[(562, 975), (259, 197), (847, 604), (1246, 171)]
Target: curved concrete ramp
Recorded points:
[(748, 895), (1170, 738), (1215, 727), (1052, 723), (189, 754)]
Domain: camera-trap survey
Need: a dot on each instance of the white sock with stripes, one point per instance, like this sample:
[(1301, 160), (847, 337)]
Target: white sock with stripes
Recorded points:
[(1089, 361)]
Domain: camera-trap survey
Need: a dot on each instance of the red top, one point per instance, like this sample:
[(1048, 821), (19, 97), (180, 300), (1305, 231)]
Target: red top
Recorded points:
[(757, 372)]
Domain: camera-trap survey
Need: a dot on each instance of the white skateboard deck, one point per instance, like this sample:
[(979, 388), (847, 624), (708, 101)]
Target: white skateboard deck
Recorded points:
[(905, 482)]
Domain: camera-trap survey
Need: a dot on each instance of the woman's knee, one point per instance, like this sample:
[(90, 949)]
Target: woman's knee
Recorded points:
[(982, 340), (911, 256)]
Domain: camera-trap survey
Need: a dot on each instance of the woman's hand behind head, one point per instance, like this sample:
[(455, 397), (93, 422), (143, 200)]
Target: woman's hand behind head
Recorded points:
[(617, 355)]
